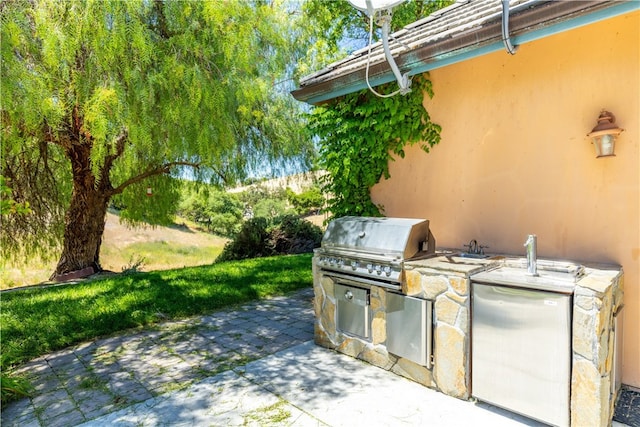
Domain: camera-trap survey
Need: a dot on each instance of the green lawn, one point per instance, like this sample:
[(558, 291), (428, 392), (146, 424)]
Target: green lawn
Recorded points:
[(34, 322)]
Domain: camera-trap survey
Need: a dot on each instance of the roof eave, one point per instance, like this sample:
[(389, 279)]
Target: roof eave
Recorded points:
[(528, 25)]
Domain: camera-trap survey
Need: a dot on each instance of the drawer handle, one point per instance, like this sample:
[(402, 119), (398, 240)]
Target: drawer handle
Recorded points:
[(348, 295)]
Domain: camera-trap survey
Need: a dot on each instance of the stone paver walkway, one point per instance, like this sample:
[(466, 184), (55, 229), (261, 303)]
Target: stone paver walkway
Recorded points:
[(93, 379)]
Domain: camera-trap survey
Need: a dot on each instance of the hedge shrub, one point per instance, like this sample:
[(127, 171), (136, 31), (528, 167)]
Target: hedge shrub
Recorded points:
[(287, 234)]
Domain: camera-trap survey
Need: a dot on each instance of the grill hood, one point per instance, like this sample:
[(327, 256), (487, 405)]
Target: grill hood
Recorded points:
[(397, 238)]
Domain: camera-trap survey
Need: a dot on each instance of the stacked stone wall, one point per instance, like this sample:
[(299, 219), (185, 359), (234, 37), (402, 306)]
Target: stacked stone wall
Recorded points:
[(451, 325), (596, 300)]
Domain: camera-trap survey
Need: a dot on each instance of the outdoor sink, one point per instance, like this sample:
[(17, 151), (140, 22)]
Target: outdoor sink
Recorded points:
[(553, 276), (470, 255), (571, 269)]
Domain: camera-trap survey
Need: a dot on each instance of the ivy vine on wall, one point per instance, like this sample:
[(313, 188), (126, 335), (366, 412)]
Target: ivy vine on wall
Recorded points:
[(359, 134)]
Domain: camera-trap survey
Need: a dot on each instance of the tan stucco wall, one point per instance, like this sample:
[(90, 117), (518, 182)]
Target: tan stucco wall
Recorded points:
[(514, 157)]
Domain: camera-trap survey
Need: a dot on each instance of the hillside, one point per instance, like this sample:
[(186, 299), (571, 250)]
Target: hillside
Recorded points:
[(145, 248)]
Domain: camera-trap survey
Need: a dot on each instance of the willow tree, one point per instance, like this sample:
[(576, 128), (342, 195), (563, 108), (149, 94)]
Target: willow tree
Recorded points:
[(107, 101)]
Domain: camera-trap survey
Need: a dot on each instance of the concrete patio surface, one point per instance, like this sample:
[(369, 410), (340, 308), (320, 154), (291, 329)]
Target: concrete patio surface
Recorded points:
[(253, 365), (307, 385)]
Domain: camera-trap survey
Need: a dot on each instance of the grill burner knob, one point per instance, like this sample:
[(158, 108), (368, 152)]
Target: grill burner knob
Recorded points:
[(387, 270), (379, 269), (370, 267), (354, 265)]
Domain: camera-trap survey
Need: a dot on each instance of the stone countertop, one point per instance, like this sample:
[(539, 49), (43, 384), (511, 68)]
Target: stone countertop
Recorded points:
[(595, 274), (599, 280)]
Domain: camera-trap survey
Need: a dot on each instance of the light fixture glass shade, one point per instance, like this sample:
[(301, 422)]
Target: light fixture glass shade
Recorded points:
[(604, 134), (604, 145)]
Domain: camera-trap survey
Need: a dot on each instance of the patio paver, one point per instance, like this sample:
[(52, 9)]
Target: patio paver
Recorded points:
[(75, 385)]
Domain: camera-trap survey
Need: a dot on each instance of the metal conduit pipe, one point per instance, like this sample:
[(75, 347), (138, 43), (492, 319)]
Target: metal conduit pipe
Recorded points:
[(403, 80), (505, 29)]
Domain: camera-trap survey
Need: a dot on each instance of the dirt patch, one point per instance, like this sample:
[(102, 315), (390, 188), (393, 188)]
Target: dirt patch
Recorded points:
[(119, 235), (318, 220)]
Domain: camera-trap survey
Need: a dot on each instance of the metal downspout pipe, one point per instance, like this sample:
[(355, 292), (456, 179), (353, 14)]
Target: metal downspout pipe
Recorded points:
[(505, 29)]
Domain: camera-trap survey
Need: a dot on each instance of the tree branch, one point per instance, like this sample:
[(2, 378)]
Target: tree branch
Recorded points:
[(161, 23), (105, 181), (221, 175), (162, 169)]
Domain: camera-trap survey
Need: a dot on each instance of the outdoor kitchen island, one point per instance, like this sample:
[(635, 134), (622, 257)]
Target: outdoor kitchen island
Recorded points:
[(444, 279)]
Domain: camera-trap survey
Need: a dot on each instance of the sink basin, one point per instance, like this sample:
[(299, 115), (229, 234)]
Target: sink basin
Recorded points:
[(570, 268), (553, 276), (474, 256)]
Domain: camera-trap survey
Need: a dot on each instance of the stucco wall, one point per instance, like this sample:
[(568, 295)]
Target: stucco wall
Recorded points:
[(514, 157)]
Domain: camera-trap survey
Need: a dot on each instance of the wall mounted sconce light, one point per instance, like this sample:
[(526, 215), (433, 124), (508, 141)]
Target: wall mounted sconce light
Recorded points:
[(604, 134)]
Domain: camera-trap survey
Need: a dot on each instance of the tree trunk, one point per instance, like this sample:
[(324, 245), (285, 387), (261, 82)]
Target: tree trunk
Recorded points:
[(85, 220)]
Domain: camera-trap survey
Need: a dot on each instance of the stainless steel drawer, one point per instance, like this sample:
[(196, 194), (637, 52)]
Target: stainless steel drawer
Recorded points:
[(352, 310)]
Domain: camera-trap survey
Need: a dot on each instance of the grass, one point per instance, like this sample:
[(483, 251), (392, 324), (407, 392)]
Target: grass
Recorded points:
[(14, 387), (37, 321), (272, 415)]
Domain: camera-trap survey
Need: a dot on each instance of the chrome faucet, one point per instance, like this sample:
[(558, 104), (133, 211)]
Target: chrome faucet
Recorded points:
[(532, 254)]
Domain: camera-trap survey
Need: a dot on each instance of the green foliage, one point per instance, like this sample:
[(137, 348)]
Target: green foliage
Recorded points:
[(359, 134), (248, 243), (220, 212), (294, 235), (255, 193), (308, 202), (37, 321), (270, 208), (8, 206), (287, 234), (261, 201), (158, 208), (13, 388)]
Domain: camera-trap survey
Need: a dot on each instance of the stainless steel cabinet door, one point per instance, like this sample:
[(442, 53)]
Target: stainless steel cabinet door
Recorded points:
[(409, 326), (352, 310), (521, 351)]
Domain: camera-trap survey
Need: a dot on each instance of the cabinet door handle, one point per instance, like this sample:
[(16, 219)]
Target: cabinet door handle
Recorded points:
[(348, 295)]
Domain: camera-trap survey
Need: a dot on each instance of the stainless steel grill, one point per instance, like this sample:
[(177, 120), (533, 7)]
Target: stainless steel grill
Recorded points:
[(372, 251)]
